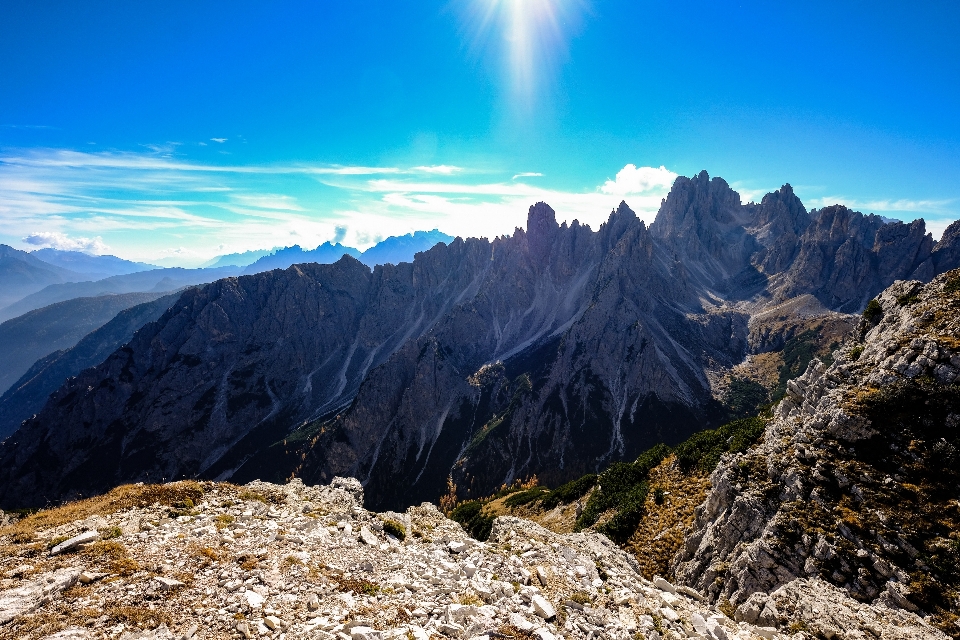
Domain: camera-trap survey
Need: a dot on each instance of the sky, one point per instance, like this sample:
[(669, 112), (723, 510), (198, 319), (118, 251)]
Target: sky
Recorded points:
[(171, 132)]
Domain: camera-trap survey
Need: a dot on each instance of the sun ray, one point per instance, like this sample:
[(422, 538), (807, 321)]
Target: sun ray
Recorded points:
[(532, 35)]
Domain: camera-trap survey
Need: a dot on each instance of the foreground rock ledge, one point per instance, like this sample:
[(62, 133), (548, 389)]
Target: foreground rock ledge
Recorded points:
[(292, 561)]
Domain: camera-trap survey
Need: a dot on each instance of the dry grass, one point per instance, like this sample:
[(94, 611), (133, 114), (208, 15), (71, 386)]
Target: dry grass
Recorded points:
[(290, 562), (128, 496), (661, 531), (139, 616), (113, 557)]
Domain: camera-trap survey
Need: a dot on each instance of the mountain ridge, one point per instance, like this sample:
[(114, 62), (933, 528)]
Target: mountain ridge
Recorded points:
[(557, 348)]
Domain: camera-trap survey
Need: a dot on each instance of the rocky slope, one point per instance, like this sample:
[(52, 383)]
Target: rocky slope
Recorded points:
[(26, 396), (553, 351), (208, 560), (856, 483)]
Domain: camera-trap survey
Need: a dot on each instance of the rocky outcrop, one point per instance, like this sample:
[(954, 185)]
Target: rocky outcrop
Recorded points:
[(298, 561), (855, 483), (553, 352)]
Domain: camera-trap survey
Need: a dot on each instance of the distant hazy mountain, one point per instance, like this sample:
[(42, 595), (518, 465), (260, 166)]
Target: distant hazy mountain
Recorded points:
[(393, 250), (155, 280), (397, 249), (59, 326), (94, 267), (28, 394), (22, 273), (326, 253), (238, 259)]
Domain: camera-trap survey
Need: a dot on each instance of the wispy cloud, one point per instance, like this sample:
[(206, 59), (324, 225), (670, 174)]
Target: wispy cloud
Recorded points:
[(442, 169), (893, 206), (144, 203), (219, 140), (527, 174)]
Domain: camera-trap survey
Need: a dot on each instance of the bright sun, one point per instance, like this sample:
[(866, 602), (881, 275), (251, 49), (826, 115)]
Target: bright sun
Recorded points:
[(533, 32)]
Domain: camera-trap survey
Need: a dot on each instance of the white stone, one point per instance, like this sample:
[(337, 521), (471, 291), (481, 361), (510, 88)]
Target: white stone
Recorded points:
[(254, 599), (272, 622), (84, 538), (669, 614), (521, 623), (365, 633), (167, 584), (542, 607), (367, 537), (663, 585), (456, 547)]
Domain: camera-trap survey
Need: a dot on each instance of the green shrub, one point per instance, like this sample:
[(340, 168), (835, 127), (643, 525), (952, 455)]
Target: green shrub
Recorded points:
[(622, 485), (109, 533), (659, 495), (745, 396), (856, 352), (567, 493), (526, 496), (952, 285), (702, 451), (395, 529), (471, 517), (873, 312)]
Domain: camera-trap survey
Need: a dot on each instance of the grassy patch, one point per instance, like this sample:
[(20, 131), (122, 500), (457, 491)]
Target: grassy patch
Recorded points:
[(113, 557), (127, 496)]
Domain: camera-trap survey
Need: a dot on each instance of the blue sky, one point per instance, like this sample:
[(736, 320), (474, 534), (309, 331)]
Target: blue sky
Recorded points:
[(174, 131)]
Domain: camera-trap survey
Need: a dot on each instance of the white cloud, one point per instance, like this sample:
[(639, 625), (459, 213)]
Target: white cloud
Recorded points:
[(527, 174), (633, 179), (442, 169), (219, 140), (56, 240)]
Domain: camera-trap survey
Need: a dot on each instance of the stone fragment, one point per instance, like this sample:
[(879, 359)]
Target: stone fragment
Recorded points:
[(272, 622), (167, 584), (663, 585), (254, 599), (521, 623), (367, 537), (456, 546), (451, 629), (68, 545), (88, 576), (542, 575), (542, 607)]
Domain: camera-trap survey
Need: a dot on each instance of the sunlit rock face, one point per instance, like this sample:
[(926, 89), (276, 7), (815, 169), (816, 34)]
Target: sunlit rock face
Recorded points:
[(553, 351)]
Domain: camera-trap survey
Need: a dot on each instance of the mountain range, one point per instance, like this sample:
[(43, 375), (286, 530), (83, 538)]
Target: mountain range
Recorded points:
[(551, 352)]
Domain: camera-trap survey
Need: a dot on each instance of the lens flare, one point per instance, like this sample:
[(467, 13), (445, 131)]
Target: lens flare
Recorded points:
[(531, 36)]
